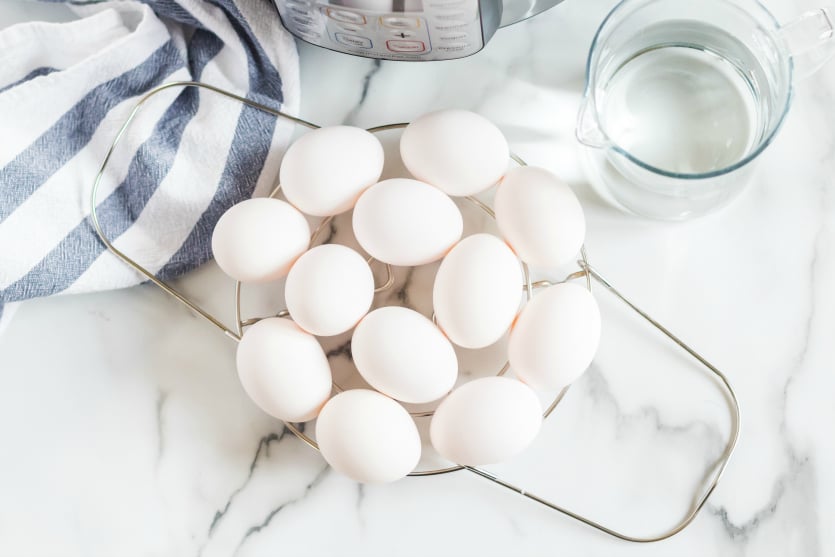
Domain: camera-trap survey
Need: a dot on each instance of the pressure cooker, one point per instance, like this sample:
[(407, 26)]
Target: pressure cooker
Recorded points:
[(416, 30)]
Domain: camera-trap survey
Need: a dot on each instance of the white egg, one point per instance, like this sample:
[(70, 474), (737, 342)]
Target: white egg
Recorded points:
[(477, 291), (329, 289), (283, 370), (486, 421), (325, 171), (555, 337), (403, 355), (406, 222), (458, 151), (539, 216), (368, 437), (258, 240)]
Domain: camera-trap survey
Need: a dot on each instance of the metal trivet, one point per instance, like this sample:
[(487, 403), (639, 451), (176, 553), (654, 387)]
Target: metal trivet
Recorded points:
[(586, 271)]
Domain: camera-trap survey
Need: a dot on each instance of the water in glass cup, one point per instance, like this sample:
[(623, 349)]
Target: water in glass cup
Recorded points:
[(681, 108)]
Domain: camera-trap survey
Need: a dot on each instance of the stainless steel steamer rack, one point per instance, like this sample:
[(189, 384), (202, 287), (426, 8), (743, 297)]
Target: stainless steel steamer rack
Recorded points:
[(586, 272)]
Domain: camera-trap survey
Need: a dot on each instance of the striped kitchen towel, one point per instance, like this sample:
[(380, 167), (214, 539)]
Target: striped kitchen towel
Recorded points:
[(64, 91)]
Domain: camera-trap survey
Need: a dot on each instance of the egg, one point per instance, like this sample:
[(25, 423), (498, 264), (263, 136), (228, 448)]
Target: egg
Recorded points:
[(258, 240), (406, 222), (539, 216), (486, 421), (329, 289), (325, 171), (402, 354), (477, 291), (555, 337), (458, 151), (368, 437), (283, 370)]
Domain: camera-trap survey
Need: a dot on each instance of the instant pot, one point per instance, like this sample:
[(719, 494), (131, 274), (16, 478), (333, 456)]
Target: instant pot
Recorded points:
[(416, 30)]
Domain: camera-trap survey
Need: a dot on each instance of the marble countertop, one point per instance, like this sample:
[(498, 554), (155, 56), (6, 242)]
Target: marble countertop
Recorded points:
[(125, 431)]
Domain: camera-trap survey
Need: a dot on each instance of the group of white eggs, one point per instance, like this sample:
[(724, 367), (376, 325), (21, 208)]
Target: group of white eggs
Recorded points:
[(367, 434)]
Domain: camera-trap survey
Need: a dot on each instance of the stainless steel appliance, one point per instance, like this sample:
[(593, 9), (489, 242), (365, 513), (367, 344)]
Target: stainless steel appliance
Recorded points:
[(415, 30)]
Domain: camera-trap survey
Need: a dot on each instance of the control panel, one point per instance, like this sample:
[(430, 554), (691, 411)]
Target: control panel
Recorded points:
[(404, 30)]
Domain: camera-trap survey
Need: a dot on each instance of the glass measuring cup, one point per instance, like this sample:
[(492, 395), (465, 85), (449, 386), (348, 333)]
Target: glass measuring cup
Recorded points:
[(681, 97)]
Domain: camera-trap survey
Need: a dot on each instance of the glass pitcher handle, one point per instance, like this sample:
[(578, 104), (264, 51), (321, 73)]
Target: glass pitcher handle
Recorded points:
[(810, 39)]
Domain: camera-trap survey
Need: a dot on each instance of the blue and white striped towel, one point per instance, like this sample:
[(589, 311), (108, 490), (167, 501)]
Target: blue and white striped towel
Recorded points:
[(64, 91)]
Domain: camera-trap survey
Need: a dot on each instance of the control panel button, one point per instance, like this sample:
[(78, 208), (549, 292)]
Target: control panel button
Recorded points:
[(303, 20), (448, 15), (406, 46), (350, 29), (353, 40), (400, 22), (308, 35), (345, 16), (451, 26), (453, 37), (452, 47)]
